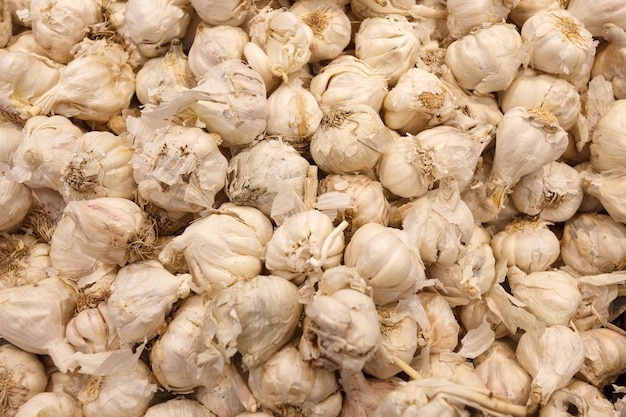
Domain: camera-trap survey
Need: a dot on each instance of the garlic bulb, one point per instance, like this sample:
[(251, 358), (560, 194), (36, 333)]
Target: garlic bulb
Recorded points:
[(6, 25), (418, 100), (441, 331), (527, 243), (11, 135), (593, 244), (222, 12), (60, 24), (386, 261), (605, 186), (331, 27), (138, 312), (594, 15), (551, 358), (287, 381), (15, 202), (101, 63), (258, 173), (439, 224), (255, 317), (214, 44), (347, 82), (22, 376), (25, 260), (220, 398), (92, 331), (178, 406), (347, 339), (463, 17), (527, 138), (178, 168), (126, 393), (349, 140), (220, 248), (424, 11), (388, 45), (164, 75), (560, 44), (35, 316), (577, 395), (50, 404), (487, 59), (604, 360), (533, 89), (526, 8), (610, 59), (608, 147)]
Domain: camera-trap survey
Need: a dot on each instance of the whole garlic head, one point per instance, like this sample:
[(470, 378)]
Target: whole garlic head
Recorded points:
[(608, 146), (214, 44), (23, 376), (463, 17)]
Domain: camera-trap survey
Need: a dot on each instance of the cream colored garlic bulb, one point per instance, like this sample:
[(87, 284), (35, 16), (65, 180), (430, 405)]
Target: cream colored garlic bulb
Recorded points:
[(92, 331), (50, 404), (255, 317), (22, 376), (222, 12), (580, 396), (25, 260), (608, 146), (533, 89), (610, 59), (431, 13), (127, 393), (593, 244), (11, 136), (441, 332), (59, 25), (221, 397), (180, 406), (349, 140), (488, 58), (15, 202), (287, 381), (331, 27), (594, 15), (347, 339), (477, 194), (178, 168), (560, 44), (258, 60), (220, 248), (384, 258), (164, 75), (527, 243), (418, 100), (526, 8), (464, 17), (388, 44), (604, 358), (348, 81), (605, 186), (6, 25), (259, 172), (99, 62), (214, 44), (527, 138)]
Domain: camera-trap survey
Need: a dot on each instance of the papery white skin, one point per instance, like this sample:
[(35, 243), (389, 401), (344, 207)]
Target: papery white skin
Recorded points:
[(533, 89), (561, 45), (581, 396), (59, 25), (220, 398), (593, 244), (386, 261), (331, 27), (180, 406), (610, 60), (10, 136), (51, 404), (432, 13), (488, 58), (463, 17), (23, 376), (595, 14), (25, 41), (477, 194), (526, 8), (608, 146), (214, 44), (6, 25), (15, 202), (604, 360), (348, 81), (442, 332), (551, 358), (605, 186), (26, 260), (476, 313), (451, 367), (293, 111), (222, 12), (92, 330), (287, 381)]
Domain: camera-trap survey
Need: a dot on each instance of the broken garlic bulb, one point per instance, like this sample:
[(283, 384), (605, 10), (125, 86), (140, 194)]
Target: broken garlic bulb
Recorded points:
[(91, 330), (610, 59), (579, 397), (608, 146)]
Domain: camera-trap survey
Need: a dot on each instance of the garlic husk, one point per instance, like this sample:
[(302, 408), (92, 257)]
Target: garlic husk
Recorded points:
[(388, 45), (348, 339), (102, 63), (441, 331), (6, 25), (177, 168), (605, 187), (15, 202), (477, 194), (502, 373), (608, 146), (439, 224), (533, 89), (527, 138), (255, 317), (593, 244), (92, 331), (418, 100), (50, 404), (222, 12), (178, 406), (25, 260), (22, 375), (526, 8), (59, 25), (163, 75), (463, 17), (604, 358), (346, 82), (551, 358), (578, 397), (258, 60), (594, 15), (475, 313), (599, 294), (220, 248), (363, 394), (220, 398), (611, 58), (552, 192), (560, 44), (590, 204), (126, 393), (349, 140), (527, 243), (286, 381), (11, 136), (488, 58), (35, 316), (432, 14), (331, 27), (214, 44)]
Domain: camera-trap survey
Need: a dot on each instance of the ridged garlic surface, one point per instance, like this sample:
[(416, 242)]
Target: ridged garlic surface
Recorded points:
[(223, 12), (22, 376), (606, 187), (464, 17), (608, 146), (178, 406), (51, 404), (441, 332), (15, 202), (214, 44), (610, 60), (526, 8), (595, 14)]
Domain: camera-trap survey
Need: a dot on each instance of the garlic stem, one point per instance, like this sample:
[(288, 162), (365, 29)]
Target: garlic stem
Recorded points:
[(486, 399), (406, 368), (241, 388), (317, 263)]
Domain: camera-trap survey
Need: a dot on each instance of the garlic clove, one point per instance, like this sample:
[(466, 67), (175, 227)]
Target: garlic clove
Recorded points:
[(608, 147)]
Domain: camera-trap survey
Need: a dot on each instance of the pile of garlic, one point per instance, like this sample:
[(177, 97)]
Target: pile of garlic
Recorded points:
[(314, 208)]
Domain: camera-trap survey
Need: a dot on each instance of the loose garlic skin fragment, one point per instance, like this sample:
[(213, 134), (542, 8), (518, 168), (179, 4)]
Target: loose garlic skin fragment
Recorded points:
[(610, 59), (487, 59), (593, 244), (528, 244), (464, 17), (604, 356), (595, 14), (222, 12), (50, 404), (561, 45), (15, 202), (214, 44), (22, 376), (608, 143), (606, 187)]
